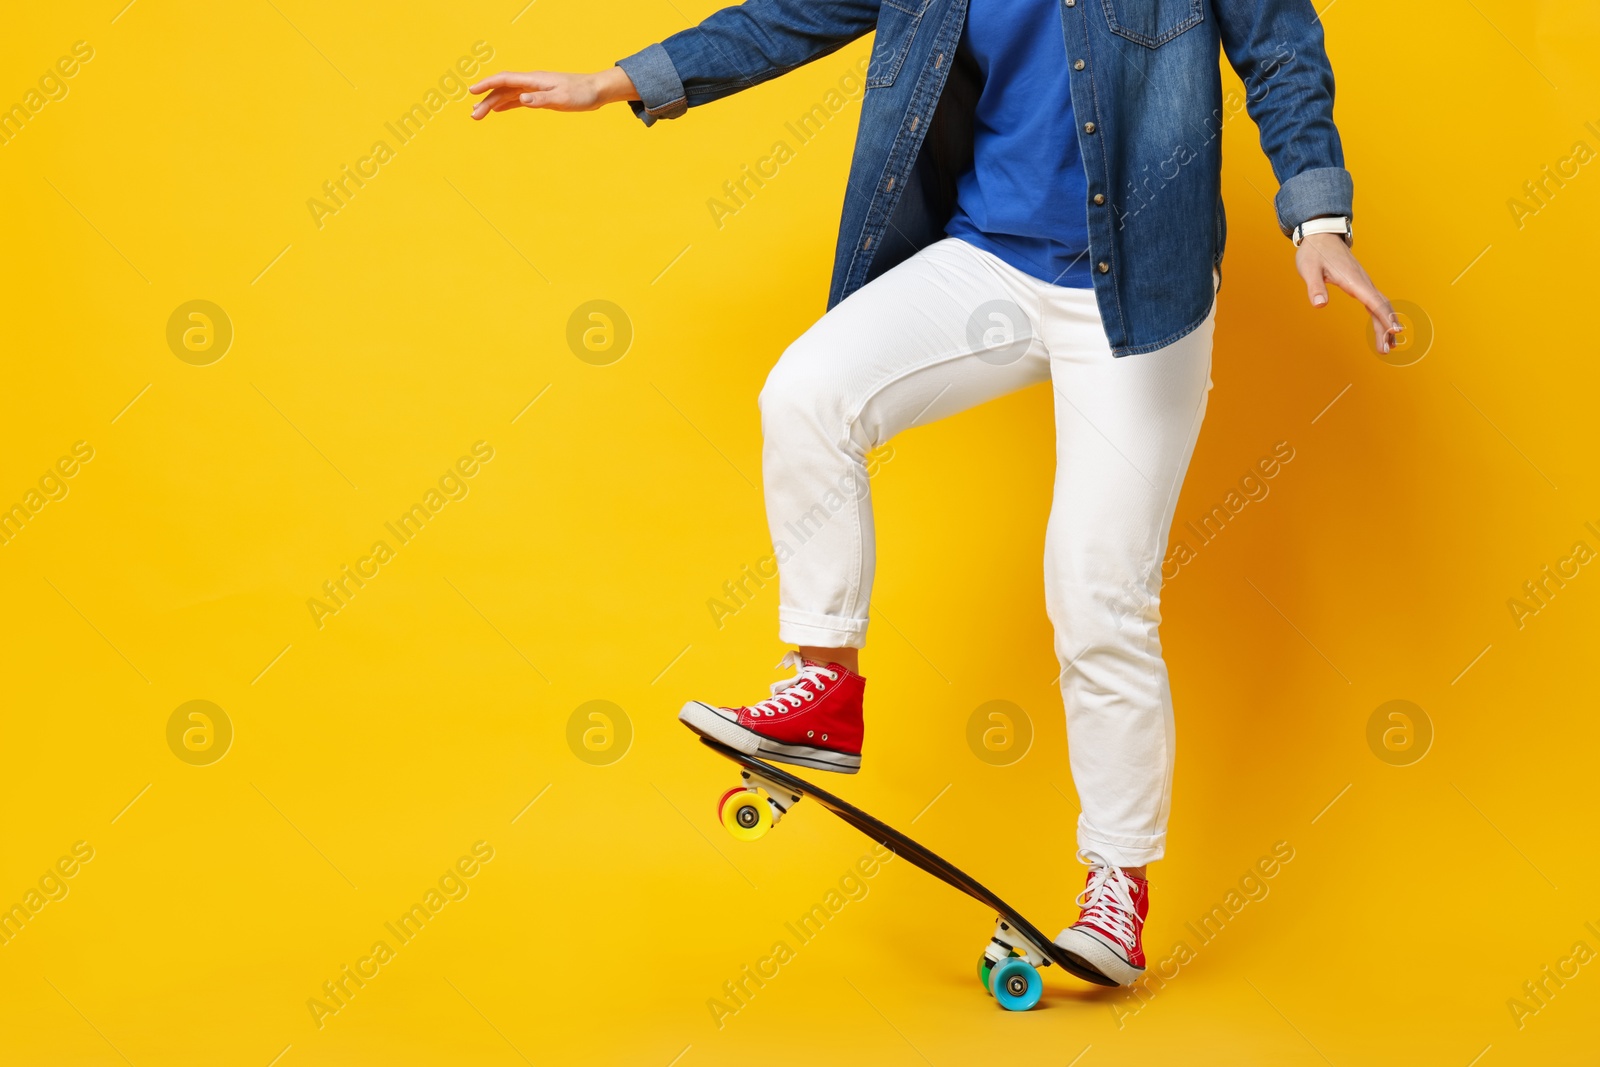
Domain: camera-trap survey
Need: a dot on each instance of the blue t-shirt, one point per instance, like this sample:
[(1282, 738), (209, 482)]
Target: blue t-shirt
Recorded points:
[(1025, 197)]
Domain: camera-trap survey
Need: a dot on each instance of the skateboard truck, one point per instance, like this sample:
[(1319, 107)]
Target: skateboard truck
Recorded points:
[(1008, 943), (748, 814)]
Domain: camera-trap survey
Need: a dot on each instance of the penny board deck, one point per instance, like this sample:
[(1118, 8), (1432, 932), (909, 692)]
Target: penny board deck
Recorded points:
[(918, 854)]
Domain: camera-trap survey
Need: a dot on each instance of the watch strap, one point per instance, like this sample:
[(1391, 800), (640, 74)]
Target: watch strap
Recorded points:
[(1339, 224)]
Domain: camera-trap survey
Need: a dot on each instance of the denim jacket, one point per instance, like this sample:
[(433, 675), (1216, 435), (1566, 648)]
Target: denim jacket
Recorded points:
[(1147, 97)]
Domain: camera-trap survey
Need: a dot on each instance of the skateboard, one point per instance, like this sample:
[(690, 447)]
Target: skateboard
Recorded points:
[(1009, 967)]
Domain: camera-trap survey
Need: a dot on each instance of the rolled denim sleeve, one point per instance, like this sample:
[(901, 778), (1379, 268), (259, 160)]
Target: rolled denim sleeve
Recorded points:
[(661, 93), (1312, 194), (738, 47), (1276, 47)]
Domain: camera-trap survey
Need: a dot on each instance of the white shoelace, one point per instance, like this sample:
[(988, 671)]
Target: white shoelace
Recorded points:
[(1107, 900), (792, 692)]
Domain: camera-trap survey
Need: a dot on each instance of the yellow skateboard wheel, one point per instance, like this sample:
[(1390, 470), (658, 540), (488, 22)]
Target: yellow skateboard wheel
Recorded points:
[(746, 815)]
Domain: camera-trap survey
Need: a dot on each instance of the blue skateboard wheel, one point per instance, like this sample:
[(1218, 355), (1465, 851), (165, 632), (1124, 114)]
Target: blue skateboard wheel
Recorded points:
[(1016, 984)]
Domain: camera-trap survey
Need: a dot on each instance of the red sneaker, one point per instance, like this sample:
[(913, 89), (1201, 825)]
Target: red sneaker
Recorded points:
[(1107, 935), (812, 719)]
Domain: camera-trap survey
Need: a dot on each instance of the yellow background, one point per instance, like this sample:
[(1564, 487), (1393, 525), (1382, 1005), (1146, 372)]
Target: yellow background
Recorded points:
[(369, 754)]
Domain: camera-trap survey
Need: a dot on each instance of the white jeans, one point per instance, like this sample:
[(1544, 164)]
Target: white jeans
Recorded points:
[(948, 329)]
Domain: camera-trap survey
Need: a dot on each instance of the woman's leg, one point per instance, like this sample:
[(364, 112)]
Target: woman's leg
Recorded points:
[(949, 328), (1125, 430), (944, 331)]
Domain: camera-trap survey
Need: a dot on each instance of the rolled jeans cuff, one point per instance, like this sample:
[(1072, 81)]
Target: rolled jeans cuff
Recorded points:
[(661, 92), (820, 631), (1122, 849)]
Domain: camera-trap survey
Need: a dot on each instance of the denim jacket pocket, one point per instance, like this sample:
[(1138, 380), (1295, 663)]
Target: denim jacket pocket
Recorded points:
[(1152, 22), (897, 28)]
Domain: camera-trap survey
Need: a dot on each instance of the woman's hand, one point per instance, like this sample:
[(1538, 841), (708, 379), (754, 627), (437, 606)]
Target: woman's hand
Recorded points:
[(552, 91), (1323, 258)]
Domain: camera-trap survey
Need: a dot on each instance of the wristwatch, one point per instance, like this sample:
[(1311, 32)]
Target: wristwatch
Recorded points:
[(1339, 224)]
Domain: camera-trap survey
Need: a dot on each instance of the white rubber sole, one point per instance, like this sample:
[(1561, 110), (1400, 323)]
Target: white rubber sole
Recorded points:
[(704, 719), (1098, 955)]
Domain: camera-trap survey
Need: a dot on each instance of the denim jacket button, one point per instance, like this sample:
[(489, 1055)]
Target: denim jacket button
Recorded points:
[(1089, 127), (1099, 198), (1103, 267), (1078, 65), (1072, 3)]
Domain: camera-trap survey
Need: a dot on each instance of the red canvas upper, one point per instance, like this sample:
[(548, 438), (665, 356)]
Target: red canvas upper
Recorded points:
[(1115, 905), (820, 707)]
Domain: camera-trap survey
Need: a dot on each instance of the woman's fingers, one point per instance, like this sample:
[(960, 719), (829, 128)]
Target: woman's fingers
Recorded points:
[(1385, 323), (501, 99), (535, 89), (1326, 258), (504, 99), (1385, 334), (495, 101), (1311, 271), (506, 79)]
